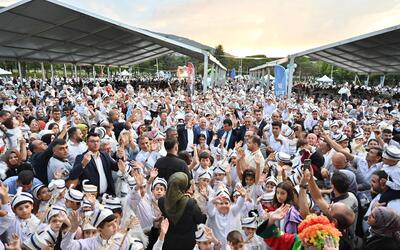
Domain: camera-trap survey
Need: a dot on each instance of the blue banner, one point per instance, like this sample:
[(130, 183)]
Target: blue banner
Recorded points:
[(232, 73), (280, 80)]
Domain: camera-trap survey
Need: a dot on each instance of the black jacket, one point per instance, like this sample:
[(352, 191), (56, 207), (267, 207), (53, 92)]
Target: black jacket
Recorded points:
[(183, 138), (39, 163), (377, 243), (169, 165), (181, 234), (91, 173)]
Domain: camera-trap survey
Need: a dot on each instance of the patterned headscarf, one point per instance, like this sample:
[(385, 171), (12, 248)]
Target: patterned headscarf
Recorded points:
[(387, 223)]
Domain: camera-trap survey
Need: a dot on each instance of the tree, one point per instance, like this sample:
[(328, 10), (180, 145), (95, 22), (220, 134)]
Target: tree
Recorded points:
[(219, 53)]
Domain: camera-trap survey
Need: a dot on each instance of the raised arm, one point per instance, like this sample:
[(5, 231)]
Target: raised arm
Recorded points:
[(336, 146), (303, 204), (317, 196)]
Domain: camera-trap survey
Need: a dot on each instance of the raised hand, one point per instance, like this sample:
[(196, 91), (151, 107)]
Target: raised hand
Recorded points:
[(240, 153), (242, 191), (86, 158), (14, 243), (330, 244), (121, 166), (153, 173), (74, 220), (280, 213), (4, 193), (209, 233)]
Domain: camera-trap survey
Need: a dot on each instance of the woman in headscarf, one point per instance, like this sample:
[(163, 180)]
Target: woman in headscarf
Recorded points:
[(384, 230), (182, 212), (15, 162)]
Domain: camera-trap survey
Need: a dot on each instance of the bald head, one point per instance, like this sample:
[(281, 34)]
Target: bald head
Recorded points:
[(342, 215), (339, 161)]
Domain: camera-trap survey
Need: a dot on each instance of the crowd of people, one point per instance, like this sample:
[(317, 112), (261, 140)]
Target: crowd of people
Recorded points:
[(115, 165)]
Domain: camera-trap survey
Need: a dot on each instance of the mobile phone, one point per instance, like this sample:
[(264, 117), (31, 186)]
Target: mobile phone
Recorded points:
[(306, 164)]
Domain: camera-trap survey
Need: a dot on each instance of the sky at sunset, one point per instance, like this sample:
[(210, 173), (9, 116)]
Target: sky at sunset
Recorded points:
[(270, 27)]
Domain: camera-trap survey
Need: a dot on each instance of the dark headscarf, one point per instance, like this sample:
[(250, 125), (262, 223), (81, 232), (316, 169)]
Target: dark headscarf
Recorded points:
[(387, 223), (176, 199)]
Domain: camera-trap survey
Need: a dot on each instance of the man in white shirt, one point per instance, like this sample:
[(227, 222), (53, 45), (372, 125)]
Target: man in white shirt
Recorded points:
[(312, 120), (146, 156), (253, 152), (76, 145), (277, 142), (58, 166), (56, 119)]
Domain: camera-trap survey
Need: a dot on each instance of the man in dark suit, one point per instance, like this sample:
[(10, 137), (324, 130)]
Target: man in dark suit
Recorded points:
[(202, 129), (186, 135), (248, 123), (228, 133), (95, 166), (260, 121)]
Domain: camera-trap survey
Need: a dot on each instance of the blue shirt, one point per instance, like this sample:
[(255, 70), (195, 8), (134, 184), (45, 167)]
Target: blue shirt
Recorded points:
[(11, 183)]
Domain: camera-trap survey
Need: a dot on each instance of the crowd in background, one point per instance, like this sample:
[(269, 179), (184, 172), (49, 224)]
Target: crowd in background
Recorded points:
[(142, 164)]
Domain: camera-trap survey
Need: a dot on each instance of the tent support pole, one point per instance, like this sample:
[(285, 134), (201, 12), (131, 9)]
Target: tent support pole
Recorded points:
[(52, 73), (94, 71), (65, 70), (43, 72), (367, 81), (290, 80), (382, 83), (75, 70), (205, 73), (19, 72), (108, 72)]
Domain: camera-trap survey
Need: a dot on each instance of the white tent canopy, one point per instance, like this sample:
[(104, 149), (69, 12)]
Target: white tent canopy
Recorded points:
[(324, 79), (4, 72), (124, 73)]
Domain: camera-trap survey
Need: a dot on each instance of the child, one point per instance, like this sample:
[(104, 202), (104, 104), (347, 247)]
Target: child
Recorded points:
[(73, 199), (222, 176), (88, 231), (251, 240), (270, 184), (57, 189), (41, 193), (55, 219), (90, 195), (284, 194), (22, 221), (158, 189), (105, 222), (203, 190), (235, 241), (266, 201), (205, 239), (222, 216), (140, 203), (115, 205), (205, 163), (391, 159)]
